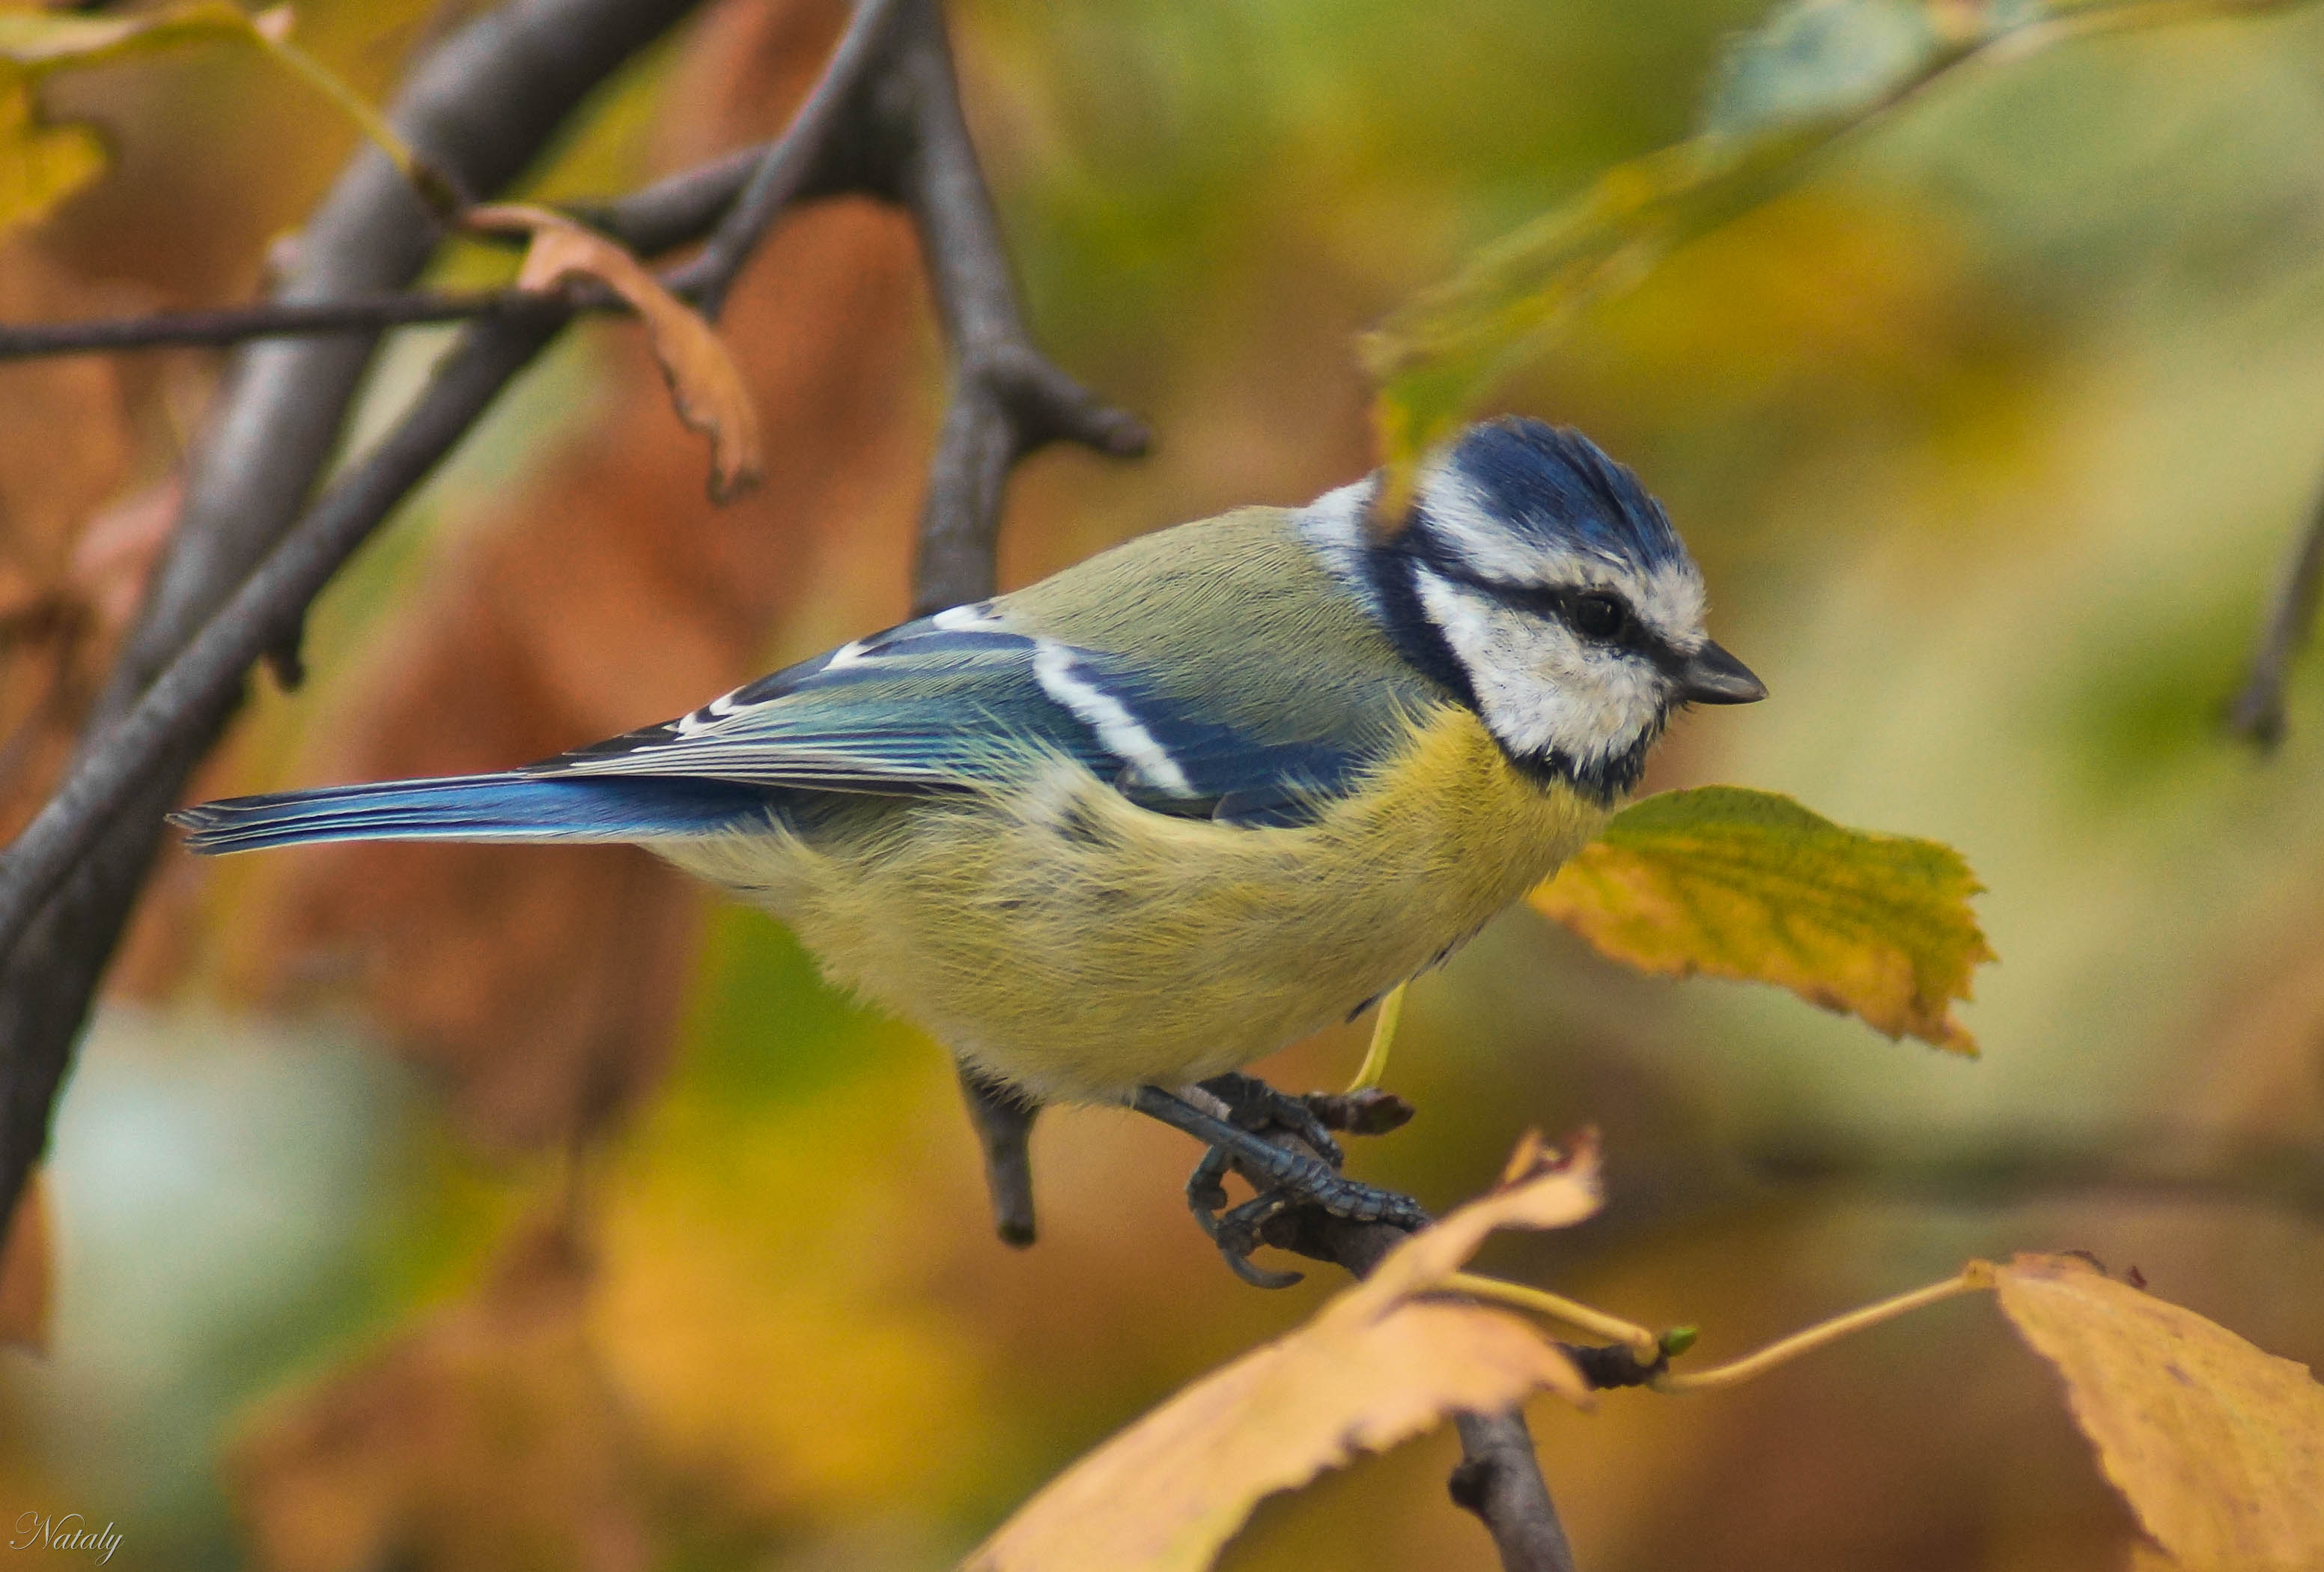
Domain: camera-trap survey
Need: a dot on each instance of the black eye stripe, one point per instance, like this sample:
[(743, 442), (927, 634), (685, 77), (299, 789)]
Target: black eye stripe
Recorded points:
[(1562, 603)]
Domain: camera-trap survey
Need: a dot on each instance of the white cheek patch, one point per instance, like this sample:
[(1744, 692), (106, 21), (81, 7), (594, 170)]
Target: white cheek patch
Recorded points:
[(1539, 687)]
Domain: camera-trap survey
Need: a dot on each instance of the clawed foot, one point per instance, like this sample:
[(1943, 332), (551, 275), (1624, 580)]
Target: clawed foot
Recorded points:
[(1284, 1176)]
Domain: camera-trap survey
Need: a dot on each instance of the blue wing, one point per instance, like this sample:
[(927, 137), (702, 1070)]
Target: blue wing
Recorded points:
[(922, 708), (928, 708)]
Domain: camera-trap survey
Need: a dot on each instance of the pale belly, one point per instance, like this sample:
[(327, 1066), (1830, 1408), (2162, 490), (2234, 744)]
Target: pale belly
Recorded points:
[(1077, 945)]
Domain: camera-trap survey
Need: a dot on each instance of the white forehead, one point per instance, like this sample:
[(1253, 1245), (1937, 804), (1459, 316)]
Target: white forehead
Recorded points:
[(1668, 598)]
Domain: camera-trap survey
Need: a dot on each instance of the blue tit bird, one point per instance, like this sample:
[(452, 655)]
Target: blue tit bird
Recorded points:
[(1147, 820)]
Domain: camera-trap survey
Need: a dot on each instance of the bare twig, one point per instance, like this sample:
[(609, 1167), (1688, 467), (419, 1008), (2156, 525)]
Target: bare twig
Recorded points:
[(2258, 711), (685, 205), (234, 323), (1007, 401), (1498, 1478), (790, 169)]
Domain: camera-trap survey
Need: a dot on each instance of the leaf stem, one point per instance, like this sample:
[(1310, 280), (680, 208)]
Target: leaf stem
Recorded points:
[(1645, 1344), (1384, 1024), (368, 119), (1974, 1278)]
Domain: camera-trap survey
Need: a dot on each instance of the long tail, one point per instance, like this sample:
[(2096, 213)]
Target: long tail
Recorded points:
[(494, 808)]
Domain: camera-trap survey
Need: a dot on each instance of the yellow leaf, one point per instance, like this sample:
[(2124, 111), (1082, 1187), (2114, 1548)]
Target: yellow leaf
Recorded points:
[(27, 1270), (703, 383), (38, 42), (39, 165), (1750, 885), (2217, 1445), (1376, 1366), (42, 165), (1815, 71)]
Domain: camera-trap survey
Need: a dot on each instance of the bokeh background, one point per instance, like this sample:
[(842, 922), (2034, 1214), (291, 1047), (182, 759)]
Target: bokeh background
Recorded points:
[(495, 1207)]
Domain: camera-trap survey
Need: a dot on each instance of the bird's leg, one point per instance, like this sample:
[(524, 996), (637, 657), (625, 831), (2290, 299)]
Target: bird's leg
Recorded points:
[(1283, 1176), (1253, 1105)]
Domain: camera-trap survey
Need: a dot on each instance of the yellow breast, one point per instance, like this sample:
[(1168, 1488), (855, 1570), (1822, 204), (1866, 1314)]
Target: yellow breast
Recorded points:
[(1074, 944)]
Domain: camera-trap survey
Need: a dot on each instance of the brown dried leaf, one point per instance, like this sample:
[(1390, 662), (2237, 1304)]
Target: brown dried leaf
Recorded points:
[(2218, 1444), (704, 383), (486, 1438), (1376, 1366), (28, 1270)]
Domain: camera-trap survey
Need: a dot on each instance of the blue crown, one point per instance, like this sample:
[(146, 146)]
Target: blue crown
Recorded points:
[(1553, 484)]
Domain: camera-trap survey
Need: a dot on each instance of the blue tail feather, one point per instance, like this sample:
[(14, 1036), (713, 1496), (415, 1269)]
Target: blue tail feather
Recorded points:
[(479, 808)]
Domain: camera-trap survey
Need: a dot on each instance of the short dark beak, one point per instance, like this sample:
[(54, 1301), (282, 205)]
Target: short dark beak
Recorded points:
[(1712, 675)]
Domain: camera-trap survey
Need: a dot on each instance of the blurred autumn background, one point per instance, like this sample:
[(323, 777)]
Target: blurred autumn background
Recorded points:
[(500, 1207)]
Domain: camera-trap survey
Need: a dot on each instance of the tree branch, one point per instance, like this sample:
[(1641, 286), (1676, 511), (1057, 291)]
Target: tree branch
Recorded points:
[(479, 107), (791, 169)]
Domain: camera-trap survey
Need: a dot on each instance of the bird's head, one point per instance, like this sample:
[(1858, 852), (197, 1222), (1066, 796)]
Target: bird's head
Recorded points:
[(1536, 578)]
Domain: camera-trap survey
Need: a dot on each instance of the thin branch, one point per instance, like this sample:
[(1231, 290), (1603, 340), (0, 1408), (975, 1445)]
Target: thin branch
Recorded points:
[(1007, 401), (1499, 1479), (687, 204), (234, 323), (787, 169), (2258, 711)]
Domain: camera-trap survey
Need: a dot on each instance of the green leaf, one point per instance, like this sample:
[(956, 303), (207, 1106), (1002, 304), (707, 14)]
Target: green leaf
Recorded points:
[(1814, 71), (1750, 885)]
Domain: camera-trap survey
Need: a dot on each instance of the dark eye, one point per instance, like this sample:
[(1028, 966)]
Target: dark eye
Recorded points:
[(1599, 616)]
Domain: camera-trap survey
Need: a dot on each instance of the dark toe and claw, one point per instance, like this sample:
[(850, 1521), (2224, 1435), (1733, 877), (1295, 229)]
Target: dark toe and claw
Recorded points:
[(1284, 1176), (1253, 1105)]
